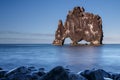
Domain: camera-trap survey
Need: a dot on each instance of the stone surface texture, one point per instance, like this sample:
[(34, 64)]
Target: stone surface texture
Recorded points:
[(80, 25), (57, 73)]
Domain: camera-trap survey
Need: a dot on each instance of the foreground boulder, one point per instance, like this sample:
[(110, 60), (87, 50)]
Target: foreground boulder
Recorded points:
[(2, 73), (57, 73), (19, 73), (80, 25), (115, 76), (98, 74), (73, 76)]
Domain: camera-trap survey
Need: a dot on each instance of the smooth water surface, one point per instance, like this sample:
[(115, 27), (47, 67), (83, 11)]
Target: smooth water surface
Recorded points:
[(48, 56)]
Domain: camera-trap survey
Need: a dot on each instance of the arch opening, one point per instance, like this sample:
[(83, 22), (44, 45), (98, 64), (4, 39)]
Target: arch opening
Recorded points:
[(84, 42), (67, 41)]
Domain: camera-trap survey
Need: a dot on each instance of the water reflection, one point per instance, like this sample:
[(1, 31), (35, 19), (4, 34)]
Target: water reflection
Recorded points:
[(81, 57)]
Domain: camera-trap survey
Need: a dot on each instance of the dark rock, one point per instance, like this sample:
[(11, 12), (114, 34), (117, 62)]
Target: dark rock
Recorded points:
[(2, 73), (95, 74), (80, 25), (21, 69), (41, 73), (19, 73), (20, 76), (1, 68), (32, 69), (73, 76), (57, 73), (37, 75), (3, 79), (41, 69), (115, 76), (68, 70)]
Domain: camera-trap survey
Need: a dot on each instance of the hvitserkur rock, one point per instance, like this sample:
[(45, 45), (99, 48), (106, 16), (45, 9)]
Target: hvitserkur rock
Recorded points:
[(80, 25)]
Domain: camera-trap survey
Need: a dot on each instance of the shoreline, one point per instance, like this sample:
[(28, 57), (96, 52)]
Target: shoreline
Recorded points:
[(57, 73)]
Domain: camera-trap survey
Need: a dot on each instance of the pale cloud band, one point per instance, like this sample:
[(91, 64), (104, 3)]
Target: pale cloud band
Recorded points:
[(24, 38), (111, 40), (39, 38)]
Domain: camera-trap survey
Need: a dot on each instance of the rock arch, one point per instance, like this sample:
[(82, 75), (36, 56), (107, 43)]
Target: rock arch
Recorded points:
[(80, 25)]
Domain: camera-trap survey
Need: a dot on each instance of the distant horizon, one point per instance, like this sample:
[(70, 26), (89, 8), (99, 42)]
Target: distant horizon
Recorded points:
[(47, 39), (49, 43), (38, 37)]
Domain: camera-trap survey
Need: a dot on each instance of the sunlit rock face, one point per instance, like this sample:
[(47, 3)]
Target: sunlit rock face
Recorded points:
[(80, 25)]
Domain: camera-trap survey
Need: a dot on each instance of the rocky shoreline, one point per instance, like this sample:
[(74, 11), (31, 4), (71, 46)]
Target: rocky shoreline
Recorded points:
[(57, 73)]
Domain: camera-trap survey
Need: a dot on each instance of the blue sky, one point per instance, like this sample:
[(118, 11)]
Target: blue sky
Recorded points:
[(35, 21)]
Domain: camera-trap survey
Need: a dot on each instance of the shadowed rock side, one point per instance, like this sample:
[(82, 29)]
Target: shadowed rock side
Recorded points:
[(80, 25)]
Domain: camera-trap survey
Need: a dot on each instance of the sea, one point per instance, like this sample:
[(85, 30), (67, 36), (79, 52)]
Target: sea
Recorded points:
[(48, 56)]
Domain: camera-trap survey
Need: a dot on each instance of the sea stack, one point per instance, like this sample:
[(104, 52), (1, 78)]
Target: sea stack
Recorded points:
[(80, 25)]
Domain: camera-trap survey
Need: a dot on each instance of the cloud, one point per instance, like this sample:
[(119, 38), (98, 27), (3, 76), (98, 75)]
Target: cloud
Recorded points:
[(111, 40), (24, 41), (21, 33), (19, 37)]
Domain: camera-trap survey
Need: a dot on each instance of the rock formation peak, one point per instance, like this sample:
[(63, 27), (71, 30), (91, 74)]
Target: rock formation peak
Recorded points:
[(80, 25)]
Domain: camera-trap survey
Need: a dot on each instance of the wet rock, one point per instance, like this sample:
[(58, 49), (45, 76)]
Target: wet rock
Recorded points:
[(32, 68), (2, 73), (41, 72), (3, 79), (41, 69), (19, 73), (95, 74), (115, 76), (57, 73), (107, 78), (20, 76), (73, 76), (80, 25), (1, 68), (21, 69), (37, 75), (68, 71)]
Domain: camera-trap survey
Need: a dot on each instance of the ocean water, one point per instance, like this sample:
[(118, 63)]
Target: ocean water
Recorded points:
[(76, 58)]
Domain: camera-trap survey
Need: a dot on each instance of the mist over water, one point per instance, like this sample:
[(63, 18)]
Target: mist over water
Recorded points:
[(76, 58)]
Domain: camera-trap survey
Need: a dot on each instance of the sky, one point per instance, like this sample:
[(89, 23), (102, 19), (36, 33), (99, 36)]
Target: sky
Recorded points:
[(35, 21)]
